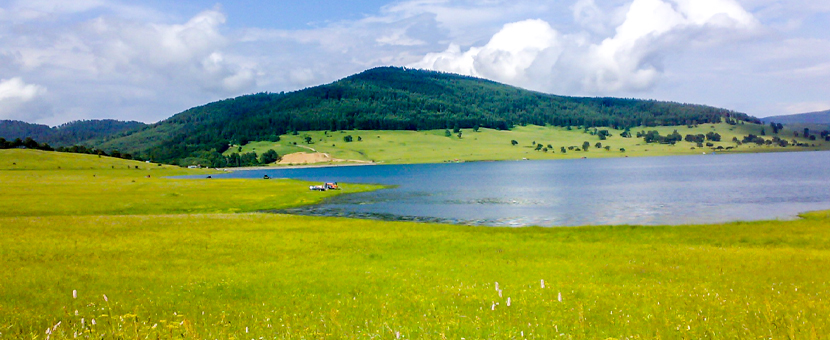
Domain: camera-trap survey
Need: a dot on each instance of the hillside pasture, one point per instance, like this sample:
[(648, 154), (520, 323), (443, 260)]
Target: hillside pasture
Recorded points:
[(434, 146)]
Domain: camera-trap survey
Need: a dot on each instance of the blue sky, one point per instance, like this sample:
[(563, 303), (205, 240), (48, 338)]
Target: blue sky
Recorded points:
[(278, 14), (147, 60)]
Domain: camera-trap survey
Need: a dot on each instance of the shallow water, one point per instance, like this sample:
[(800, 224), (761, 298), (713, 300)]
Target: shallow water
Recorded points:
[(646, 191)]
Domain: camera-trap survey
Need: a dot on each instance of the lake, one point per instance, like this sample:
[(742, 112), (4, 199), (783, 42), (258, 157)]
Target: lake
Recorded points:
[(645, 191)]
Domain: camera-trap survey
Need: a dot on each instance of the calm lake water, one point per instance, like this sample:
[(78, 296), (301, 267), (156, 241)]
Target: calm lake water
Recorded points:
[(646, 191)]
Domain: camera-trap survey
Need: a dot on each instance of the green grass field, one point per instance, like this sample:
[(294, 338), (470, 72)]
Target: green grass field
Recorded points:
[(185, 268), (434, 147)]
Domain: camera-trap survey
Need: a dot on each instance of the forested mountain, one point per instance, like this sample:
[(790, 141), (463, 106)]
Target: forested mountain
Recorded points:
[(76, 132), (11, 129), (390, 98), (822, 118)]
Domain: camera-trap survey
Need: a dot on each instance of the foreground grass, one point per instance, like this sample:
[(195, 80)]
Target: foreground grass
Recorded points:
[(257, 275), (434, 147), (205, 275)]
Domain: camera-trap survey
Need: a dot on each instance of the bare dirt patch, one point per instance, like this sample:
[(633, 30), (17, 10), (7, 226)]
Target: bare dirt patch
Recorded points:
[(299, 158)]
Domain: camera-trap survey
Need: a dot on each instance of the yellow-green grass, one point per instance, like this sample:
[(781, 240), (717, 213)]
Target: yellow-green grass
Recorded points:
[(486, 144), (74, 184), (159, 273), (277, 276)]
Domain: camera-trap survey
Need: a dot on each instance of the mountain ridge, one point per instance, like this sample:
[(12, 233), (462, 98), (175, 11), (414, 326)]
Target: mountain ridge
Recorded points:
[(818, 117), (70, 133)]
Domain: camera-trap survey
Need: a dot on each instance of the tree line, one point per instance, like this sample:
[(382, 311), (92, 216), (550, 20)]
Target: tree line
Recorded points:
[(214, 159), (30, 143)]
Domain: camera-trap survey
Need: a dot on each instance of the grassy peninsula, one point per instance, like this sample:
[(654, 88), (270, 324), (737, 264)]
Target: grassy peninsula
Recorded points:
[(162, 258)]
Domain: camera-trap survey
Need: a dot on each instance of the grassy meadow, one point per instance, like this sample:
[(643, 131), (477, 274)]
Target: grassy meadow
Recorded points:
[(434, 146), (200, 264)]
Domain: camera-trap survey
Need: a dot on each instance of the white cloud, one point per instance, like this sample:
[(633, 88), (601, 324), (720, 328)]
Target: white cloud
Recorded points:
[(19, 99), (506, 57), (148, 60), (15, 88), (532, 54)]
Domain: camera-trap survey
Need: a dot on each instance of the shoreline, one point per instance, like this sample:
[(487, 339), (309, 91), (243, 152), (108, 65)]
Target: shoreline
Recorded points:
[(306, 166), (580, 156)]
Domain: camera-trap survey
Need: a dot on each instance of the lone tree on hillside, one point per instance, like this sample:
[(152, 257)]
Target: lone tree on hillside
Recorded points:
[(269, 156), (514, 142)]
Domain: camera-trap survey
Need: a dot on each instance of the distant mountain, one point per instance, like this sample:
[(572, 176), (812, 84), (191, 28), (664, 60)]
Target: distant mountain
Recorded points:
[(11, 129), (76, 132), (822, 118), (390, 98)]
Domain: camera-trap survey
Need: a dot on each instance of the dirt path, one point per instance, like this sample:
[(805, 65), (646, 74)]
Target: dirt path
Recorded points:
[(307, 147)]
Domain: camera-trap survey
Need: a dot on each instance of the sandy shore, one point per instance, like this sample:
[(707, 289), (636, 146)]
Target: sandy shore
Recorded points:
[(301, 160)]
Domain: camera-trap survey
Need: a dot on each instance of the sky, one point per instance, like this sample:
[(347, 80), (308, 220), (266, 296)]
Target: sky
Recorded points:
[(148, 60)]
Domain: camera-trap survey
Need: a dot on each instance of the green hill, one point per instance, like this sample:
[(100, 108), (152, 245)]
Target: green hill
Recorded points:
[(72, 133), (389, 98)]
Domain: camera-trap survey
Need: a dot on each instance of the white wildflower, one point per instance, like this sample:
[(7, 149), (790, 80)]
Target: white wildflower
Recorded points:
[(560, 297), (508, 301), (543, 284), (74, 294)]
